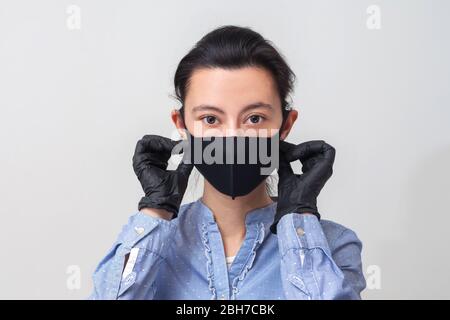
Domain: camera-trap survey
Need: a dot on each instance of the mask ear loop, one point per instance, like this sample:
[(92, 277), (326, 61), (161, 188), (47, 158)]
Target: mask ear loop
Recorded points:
[(181, 111), (285, 112), (188, 134)]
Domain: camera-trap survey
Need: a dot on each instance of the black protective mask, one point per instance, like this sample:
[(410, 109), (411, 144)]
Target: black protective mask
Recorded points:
[(234, 165)]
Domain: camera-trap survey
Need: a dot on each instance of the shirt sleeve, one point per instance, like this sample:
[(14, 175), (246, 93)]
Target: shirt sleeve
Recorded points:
[(145, 240), (309, 269)]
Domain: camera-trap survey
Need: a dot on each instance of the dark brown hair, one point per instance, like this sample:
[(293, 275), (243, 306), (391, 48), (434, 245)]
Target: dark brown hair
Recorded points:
[(233, 47)]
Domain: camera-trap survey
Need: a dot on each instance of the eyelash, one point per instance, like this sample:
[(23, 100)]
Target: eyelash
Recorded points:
[(262, 118), (206, 117)]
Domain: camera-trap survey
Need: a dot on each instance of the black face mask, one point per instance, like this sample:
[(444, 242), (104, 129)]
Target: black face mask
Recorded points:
[(234, 165)]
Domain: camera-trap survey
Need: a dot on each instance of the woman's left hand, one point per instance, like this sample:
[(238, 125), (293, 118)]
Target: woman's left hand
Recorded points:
[(298, 192)]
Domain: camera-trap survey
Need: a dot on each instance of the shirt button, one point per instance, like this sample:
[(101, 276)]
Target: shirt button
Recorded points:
[(222, 297), (300, 232), (139, 230)]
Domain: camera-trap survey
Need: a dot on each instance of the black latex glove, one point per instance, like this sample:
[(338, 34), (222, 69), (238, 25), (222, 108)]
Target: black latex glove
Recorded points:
[(164, 189), (298, 192)]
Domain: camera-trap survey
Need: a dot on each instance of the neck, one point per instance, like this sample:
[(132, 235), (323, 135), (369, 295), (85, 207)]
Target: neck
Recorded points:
[(230, 214)]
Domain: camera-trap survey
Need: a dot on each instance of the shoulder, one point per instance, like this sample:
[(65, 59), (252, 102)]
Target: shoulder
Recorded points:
[(190, 217), (338, 234), (187, 209)]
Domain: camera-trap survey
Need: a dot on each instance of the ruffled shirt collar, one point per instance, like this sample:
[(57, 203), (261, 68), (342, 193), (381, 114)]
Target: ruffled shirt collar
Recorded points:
[(264, 214)]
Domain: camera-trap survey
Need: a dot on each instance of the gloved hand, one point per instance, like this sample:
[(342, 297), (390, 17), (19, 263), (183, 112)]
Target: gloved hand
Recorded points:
[(298, 192), (164, 189)]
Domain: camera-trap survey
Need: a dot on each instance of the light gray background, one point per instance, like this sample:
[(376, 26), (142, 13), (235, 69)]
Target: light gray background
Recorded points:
[(73, 104)]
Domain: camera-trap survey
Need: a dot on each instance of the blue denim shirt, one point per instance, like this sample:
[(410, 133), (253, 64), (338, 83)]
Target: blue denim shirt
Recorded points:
[(184, 258)]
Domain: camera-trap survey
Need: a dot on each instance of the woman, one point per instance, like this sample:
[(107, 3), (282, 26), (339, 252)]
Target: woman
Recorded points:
[(235, 242)]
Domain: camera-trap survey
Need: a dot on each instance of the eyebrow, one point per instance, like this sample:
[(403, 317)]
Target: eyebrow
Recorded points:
[(256, 105)]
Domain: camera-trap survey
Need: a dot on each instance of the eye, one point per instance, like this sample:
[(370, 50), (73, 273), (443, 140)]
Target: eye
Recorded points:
[(210, 120), (255, 119)]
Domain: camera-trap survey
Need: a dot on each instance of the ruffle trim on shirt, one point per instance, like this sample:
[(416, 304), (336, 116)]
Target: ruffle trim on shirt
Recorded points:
[(209, 267), (259, 239)]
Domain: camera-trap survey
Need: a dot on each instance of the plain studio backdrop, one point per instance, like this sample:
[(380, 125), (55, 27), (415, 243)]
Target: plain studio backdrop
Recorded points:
[(81, 81)]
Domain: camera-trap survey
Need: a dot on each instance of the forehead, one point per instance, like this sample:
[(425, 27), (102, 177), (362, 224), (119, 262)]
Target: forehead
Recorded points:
[(231, 87)]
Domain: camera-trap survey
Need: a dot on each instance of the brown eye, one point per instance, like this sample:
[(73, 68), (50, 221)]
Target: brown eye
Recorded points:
[(255, 119), (210, 119)]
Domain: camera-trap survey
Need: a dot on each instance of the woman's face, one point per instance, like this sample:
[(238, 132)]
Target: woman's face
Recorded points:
[(222, 102)]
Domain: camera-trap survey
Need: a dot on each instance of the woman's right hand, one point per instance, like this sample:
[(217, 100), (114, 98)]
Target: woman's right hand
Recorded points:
[(298, 192), (164, 189)]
